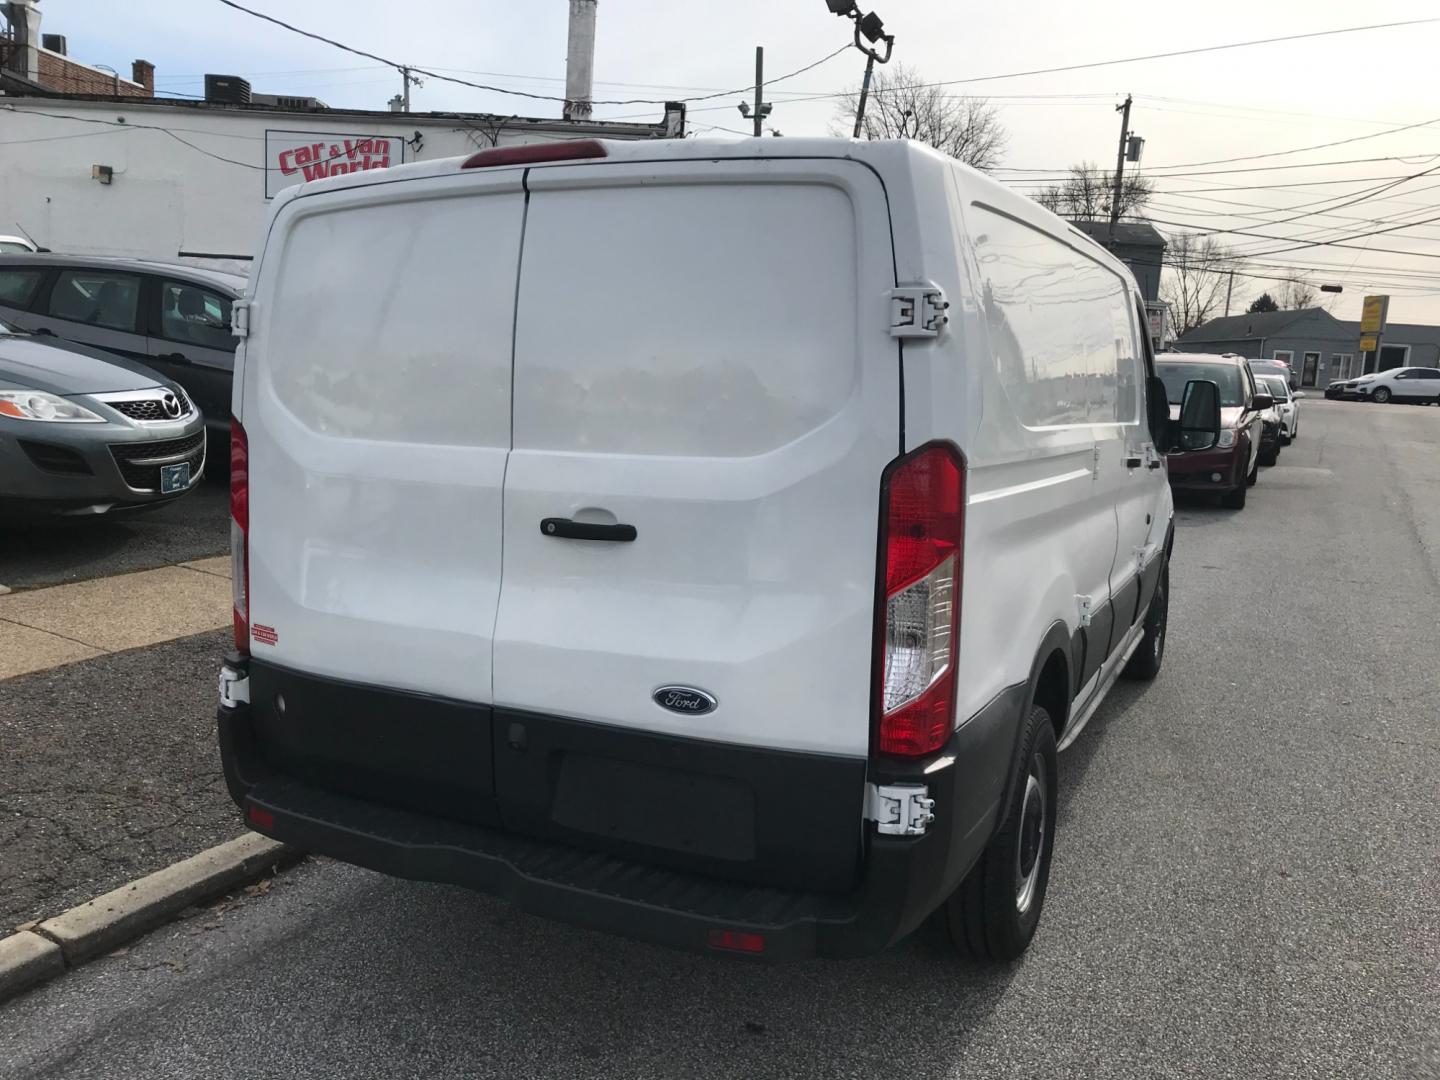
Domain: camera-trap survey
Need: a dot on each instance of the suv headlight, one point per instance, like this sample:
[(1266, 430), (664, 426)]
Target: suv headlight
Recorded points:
[(38, 405), (1227, 437)]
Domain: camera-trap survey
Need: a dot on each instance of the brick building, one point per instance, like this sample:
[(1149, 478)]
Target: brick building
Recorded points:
[(40, 62)]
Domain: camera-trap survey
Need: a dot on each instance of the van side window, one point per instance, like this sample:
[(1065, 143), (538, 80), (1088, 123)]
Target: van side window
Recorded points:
[(96, 298), (1062, 336)]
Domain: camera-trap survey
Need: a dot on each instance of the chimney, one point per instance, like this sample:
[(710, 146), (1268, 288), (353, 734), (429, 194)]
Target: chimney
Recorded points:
[(580, 60), (24, 18), (143, 72)]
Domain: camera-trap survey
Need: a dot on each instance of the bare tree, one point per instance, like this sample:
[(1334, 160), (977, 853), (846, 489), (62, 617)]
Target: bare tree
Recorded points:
[(1085, 195), (900, 107), (1295, 293), (1193, 283)]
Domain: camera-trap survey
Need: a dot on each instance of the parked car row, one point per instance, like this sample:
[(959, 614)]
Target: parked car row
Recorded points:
[(1409, 385), (1255, 422), (114, 381)]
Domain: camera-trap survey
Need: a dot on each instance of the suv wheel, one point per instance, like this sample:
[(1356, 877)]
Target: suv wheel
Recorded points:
[(1145, 664), (1382, 395), (994, 912), (1234, 499)]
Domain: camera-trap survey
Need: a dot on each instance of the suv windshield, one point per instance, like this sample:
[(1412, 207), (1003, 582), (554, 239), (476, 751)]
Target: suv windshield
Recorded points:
[(1276, 388), (1225, 376)]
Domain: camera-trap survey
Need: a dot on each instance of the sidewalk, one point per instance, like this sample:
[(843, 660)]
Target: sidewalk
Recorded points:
[(44, 628)]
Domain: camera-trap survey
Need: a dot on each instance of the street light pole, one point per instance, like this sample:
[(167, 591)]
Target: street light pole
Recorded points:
[(864, 93), (873, 28)]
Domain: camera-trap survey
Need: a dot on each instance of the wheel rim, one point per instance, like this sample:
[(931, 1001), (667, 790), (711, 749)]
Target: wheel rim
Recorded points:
[(1382, 395), (1030, 851)]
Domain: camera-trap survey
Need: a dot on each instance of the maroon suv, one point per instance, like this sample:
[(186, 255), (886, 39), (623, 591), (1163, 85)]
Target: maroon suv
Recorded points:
[(1230, 466)]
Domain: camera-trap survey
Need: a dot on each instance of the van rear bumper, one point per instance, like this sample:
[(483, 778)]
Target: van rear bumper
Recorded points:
[(903, 879)]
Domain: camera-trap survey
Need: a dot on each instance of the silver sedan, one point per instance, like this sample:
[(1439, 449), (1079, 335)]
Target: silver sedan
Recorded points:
[(84, 432)]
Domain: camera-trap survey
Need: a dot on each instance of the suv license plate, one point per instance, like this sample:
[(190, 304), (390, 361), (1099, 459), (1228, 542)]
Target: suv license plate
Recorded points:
[(174, 477)]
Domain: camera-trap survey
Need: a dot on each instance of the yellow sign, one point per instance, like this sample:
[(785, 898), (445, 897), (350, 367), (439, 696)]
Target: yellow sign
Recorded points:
[(1372, 316), (1369, 342)]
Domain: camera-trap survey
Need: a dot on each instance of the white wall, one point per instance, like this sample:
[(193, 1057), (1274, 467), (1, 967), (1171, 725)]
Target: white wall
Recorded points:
[(167, 197)]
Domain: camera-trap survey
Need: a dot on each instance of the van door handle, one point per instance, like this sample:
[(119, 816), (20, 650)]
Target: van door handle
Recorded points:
[(566, 529), (174, 357)]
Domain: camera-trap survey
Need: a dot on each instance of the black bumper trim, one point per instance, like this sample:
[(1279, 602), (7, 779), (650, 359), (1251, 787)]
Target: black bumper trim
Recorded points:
[(903, 880)]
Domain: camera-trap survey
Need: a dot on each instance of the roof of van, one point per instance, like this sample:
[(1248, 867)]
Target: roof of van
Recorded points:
[(888, 157)]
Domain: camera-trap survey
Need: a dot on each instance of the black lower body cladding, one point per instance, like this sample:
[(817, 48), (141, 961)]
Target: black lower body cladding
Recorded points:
[(654, 837)]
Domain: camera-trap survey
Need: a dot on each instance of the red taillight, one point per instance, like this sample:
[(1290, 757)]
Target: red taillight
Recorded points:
[(923, 544), (736, 941), (240, 533), (534, 153)]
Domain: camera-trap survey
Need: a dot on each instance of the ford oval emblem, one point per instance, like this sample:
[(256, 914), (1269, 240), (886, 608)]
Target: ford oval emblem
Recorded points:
[(684, 699)]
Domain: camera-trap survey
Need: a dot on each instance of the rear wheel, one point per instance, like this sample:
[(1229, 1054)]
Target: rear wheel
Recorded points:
[(994, 912), (1267, 458), (1382, 395), (1145, 664), (1234, 499)]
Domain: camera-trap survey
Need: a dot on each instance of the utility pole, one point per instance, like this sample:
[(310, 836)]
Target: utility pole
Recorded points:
[(1120, 163), (759, 88), (405, 81), (1229, 288)]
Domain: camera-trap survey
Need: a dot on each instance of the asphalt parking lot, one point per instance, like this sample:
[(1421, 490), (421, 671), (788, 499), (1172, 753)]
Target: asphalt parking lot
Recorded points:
[(36, 555), (1245, 883)]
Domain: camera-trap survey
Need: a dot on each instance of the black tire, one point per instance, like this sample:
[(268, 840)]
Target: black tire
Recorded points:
[(1145, 662), (1268, 458), (1234, 499), (1381, 395), (1254, 477), (993, 914)]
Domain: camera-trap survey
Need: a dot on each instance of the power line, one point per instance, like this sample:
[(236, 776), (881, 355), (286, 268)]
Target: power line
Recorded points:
[(1064, 174), (1136, 59), (1301, 149), (517, 93)]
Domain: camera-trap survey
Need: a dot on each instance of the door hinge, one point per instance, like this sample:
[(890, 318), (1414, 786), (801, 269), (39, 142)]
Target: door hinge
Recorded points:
[(234, 687), (240, 318), (918, 311), (1083, 605), (899, 809)]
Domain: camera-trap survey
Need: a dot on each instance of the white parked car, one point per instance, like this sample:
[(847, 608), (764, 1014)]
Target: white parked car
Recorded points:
[(1287, 404), (1408, 384), (557, 571), (16, 245)]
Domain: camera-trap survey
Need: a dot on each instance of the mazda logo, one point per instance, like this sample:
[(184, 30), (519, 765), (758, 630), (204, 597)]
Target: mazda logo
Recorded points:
[(171, 404)]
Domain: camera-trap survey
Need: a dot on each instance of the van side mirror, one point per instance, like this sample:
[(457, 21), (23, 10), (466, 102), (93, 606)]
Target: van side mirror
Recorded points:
[(1199, 425), (1157, 405), (1261, 402)]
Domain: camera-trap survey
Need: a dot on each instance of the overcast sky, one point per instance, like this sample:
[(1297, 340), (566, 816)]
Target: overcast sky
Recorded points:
[(1195, 109)]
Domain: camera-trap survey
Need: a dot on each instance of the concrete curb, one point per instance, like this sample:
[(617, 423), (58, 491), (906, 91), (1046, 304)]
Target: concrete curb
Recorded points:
[(100, 925)]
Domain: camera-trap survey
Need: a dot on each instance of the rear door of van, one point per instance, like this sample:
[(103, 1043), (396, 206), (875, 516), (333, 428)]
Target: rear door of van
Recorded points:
[(376, 404), (705, 396)]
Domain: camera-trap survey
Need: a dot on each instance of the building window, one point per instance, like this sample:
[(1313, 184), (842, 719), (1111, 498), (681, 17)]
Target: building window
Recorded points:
[(1340, 366), (1285, 355)]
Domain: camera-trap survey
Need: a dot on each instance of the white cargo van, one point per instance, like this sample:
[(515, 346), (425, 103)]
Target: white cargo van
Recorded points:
[(706, 543)]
